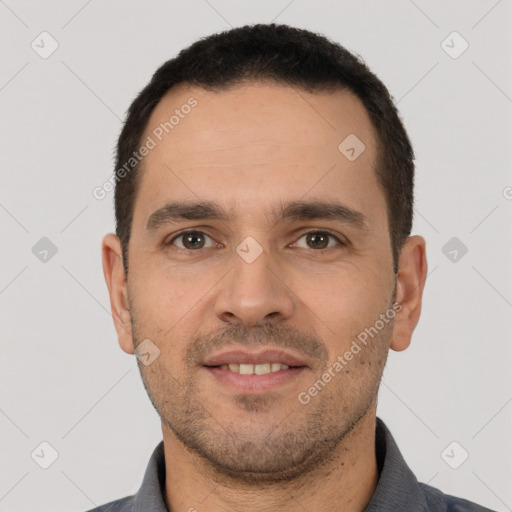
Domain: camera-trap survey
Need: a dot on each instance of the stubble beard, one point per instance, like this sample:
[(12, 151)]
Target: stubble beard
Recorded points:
[(309, 438)]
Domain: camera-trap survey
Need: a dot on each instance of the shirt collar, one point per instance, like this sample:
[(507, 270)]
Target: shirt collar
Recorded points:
[(150, 497), (397, 489)]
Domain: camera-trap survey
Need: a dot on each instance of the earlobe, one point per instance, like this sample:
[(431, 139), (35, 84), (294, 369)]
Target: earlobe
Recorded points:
[(115, 279), (412, 273)]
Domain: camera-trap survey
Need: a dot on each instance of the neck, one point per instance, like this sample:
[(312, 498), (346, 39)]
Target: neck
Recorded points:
[(345, 482)]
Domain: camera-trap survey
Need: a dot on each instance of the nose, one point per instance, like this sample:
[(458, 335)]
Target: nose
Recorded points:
[(255, 292)]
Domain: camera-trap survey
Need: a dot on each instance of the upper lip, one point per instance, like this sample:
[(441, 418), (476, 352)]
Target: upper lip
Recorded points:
[(244, 357)]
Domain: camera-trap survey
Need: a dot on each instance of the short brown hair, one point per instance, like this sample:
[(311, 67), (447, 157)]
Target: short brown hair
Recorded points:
[(288, 56)]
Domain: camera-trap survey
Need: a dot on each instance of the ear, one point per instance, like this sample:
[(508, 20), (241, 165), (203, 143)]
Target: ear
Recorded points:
[(118, 290), (412, 273)]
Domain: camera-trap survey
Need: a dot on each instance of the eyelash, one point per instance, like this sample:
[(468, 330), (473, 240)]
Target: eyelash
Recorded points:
[(314, 231)]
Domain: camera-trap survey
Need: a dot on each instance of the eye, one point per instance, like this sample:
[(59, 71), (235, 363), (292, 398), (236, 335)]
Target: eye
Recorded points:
[(319, 240), (191, 240)]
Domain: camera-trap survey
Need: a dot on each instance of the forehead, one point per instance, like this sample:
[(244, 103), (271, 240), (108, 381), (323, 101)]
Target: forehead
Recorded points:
[(257, 141), (253, 113)]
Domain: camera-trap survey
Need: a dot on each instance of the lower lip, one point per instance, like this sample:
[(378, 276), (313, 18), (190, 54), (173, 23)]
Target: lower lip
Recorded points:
[(255, 383)]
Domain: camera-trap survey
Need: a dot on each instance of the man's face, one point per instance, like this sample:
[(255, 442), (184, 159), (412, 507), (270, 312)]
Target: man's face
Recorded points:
[(210, 292)]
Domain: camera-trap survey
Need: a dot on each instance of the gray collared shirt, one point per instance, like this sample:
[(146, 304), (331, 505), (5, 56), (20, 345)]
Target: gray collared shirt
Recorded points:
[(397, 489)]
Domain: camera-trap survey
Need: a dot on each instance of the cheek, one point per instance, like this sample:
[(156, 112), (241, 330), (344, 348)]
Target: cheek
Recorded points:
[(344, 303), (160, 301)]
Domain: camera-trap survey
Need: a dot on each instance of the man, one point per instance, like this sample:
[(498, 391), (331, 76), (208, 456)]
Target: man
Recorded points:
[(262, 268)]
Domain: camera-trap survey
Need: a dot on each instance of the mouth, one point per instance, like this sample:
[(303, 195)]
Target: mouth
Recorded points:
[(254, 369), (252, 372)]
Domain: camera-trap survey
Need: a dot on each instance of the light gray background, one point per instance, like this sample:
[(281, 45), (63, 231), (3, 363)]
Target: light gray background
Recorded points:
[(64, 380)]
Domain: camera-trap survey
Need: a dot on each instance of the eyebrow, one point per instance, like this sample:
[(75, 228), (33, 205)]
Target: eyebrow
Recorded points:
[(292, 210)]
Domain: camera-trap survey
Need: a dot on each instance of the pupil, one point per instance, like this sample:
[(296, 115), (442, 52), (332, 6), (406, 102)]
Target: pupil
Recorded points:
[(313, 237), (192, 239)]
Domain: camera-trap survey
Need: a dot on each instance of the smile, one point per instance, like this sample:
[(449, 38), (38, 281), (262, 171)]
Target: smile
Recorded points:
[(254, 369)]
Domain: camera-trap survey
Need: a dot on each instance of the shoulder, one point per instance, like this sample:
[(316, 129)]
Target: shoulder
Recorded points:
[(121, 505), (438, 501)]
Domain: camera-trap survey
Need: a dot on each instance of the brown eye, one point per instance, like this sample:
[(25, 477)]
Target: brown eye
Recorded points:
[(319, 240), (191, 240)]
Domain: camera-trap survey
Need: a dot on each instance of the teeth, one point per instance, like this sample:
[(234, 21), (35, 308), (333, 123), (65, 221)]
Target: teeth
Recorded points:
[(254, 369), (246, 369), (261, 369)]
